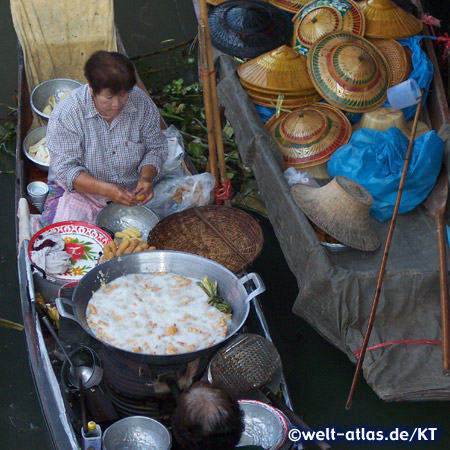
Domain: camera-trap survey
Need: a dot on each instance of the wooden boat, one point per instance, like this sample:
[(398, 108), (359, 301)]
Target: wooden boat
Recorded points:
[(336, 290), (61, 409)]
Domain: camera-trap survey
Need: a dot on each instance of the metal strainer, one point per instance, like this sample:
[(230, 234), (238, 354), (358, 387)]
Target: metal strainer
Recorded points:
[(249, 366), (247, 363)]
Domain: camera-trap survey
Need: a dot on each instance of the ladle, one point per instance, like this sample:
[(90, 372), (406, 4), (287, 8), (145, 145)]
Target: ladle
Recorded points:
[(74, 372)]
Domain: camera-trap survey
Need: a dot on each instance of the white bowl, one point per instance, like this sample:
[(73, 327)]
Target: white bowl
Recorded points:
[(32, 138), (43, 91)]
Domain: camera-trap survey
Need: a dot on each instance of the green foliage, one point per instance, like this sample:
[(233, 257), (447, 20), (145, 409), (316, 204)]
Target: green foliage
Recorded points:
[(7, 145)]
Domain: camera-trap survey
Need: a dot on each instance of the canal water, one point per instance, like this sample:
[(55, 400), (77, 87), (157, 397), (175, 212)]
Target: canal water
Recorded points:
[(318, 375)]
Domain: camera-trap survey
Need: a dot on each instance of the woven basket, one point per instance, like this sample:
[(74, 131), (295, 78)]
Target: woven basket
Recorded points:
[(187, 232), (396, 58)]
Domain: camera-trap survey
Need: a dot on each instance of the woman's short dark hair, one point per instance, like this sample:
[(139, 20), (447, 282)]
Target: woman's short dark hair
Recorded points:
[(207, 418), (110, 70)]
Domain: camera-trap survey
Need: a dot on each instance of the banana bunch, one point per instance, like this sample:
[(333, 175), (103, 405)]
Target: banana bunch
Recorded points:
[(128, 232)]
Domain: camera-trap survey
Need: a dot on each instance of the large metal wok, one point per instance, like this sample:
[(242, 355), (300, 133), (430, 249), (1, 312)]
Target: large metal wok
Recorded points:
[(230, 287)]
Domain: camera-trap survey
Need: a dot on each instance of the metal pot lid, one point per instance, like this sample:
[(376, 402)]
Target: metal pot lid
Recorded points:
[(248, 28), (349, 72)]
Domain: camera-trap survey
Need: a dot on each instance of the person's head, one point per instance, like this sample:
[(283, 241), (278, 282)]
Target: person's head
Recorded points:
[(207, 418), (111, 76)]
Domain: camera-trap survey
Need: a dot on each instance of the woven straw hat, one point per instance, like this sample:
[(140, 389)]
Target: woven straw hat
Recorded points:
[(215, 2), (385, 19), (320, 17), (282, 70), (386, 117), (396, 57), (341, 208), (348, 71), (291, 6), (283, 101), (248, 28), (309, 135)]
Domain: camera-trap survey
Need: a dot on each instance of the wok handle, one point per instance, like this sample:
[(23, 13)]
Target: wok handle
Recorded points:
[(257, 281), (61, 307)]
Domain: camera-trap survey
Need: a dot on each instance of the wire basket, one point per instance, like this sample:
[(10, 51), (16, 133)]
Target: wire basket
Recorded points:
[(227, 235)]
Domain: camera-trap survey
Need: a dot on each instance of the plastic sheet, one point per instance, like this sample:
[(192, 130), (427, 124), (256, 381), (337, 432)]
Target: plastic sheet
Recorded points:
[(375, 160)]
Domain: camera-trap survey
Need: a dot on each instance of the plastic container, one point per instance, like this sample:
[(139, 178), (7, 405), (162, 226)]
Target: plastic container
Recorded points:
[(37, 191), (92, 440), (404, 94)]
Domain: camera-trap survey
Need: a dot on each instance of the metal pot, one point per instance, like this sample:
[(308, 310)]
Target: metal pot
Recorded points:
[(230, 287)]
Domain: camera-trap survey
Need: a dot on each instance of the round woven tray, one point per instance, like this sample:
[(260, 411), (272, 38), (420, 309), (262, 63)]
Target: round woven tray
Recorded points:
[(187, 232)]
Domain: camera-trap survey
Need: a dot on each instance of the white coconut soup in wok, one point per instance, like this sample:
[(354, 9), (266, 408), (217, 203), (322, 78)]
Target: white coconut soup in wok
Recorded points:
[(159, 313)]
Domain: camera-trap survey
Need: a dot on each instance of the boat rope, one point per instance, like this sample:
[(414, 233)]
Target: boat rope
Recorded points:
[(222, 191), (402, 341), (431, 21), (203, 74), (444, 39)]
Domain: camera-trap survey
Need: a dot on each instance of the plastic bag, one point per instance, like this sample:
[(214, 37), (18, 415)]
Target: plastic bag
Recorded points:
[(175, 194), (176, 152), (294, 176), (375, 159)]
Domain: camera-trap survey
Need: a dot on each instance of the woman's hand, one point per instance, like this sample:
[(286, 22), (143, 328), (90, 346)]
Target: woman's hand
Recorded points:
[(144, 190), (121, 196)]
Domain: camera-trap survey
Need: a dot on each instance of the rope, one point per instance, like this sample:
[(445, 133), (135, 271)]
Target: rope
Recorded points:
[(222, 191), (203, 74), (403, 341), (444, 39), (430, 21)]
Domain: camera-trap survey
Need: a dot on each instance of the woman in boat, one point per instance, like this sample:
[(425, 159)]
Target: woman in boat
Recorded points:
[(105, 143), (207, 418)]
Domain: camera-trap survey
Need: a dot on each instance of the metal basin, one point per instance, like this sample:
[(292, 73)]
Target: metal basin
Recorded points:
[(114, 218), (43, 91), (32, 138), (230, 287), (137, 433)]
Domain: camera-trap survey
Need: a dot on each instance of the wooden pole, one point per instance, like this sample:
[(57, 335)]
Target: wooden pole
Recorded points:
[(385, 256)]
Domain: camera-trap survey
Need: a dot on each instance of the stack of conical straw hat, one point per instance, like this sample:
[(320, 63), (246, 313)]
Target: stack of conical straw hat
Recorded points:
[(349, 72), (398, 60), (308, 136), (320, 17), (280, 72), (386, 20), (292, 6)]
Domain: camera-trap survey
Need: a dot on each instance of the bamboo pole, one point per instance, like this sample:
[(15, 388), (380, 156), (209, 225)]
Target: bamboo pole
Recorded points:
[(385, 256), (212, 162), (213, 89)]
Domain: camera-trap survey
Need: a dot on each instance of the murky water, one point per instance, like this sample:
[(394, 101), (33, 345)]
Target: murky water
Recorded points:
[(318, 375)]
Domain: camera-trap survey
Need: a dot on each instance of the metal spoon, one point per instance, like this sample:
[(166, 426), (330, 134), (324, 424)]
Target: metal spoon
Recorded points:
[(74, 372)]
